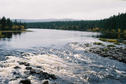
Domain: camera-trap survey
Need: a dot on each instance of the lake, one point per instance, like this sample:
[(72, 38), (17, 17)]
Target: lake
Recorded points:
[(58, 52)]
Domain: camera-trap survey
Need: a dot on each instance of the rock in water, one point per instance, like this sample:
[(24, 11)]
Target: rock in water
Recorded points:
[(28, 68), (17, 67), (25, 81), (24, 63), (45, 82)]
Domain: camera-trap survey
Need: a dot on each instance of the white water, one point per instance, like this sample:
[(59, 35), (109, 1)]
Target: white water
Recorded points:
[(71, 64)]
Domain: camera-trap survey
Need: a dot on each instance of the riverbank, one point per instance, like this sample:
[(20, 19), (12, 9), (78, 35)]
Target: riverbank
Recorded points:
[(112, 51), (105, 49), (6, 31), (59, 57)]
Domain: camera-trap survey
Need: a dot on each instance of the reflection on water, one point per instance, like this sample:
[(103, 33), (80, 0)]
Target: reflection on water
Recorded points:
[(50, 38), (8, 35), (11, 42), (46, 38), (71, 64)]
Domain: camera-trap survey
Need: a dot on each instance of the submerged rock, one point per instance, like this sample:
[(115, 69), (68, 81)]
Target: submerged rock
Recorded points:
[(38, 67), (17, 67), (24, 63), (45, 82), (25, 81), (111, 46), (28, 68), (98, 43), (39, 73)]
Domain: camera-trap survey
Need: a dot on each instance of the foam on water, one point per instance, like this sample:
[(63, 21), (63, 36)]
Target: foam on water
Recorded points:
[(71, 65)]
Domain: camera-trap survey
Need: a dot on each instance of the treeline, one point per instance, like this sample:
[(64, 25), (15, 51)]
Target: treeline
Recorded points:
[(7, 24), (65, 25), (114, 23)]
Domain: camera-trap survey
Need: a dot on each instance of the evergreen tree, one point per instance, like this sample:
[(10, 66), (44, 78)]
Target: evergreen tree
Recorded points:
[(7, 24), (3, 22)]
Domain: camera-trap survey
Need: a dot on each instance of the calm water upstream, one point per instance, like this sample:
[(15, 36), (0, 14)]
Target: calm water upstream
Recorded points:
[(58, 52), (46, 38)]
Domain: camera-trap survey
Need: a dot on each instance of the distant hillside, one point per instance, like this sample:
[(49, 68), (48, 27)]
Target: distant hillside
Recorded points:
[(112, 23), (42, 20)]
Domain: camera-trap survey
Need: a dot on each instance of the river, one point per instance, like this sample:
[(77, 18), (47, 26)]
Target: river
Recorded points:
[(58, 52)]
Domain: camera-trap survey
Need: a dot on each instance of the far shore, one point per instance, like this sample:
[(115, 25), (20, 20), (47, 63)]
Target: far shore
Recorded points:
[(16, 30)]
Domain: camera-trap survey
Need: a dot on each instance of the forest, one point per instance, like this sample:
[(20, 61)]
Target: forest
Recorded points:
[(115, 23), (6, 25)]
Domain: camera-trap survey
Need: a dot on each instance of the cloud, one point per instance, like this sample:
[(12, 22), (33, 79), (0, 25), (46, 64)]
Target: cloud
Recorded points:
[(77, 9)]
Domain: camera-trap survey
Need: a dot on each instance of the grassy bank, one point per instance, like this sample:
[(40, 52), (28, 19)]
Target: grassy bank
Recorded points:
[(15, 31), (115, 41)]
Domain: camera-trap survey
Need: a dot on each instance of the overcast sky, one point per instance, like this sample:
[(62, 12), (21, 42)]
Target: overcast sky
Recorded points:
[(75, 9)]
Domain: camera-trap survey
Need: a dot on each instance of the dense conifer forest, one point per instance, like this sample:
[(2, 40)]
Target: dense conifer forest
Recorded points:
[(7, 24), (114, 23)]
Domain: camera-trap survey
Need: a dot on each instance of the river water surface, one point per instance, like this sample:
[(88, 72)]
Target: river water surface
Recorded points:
[(58, 52)]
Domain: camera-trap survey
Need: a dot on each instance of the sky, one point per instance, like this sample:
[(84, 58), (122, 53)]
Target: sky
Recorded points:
[(60, 9)]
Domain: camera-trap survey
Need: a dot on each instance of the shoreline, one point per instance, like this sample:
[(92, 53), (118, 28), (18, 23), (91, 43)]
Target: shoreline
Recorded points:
[(111, 51), (15, 31)]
